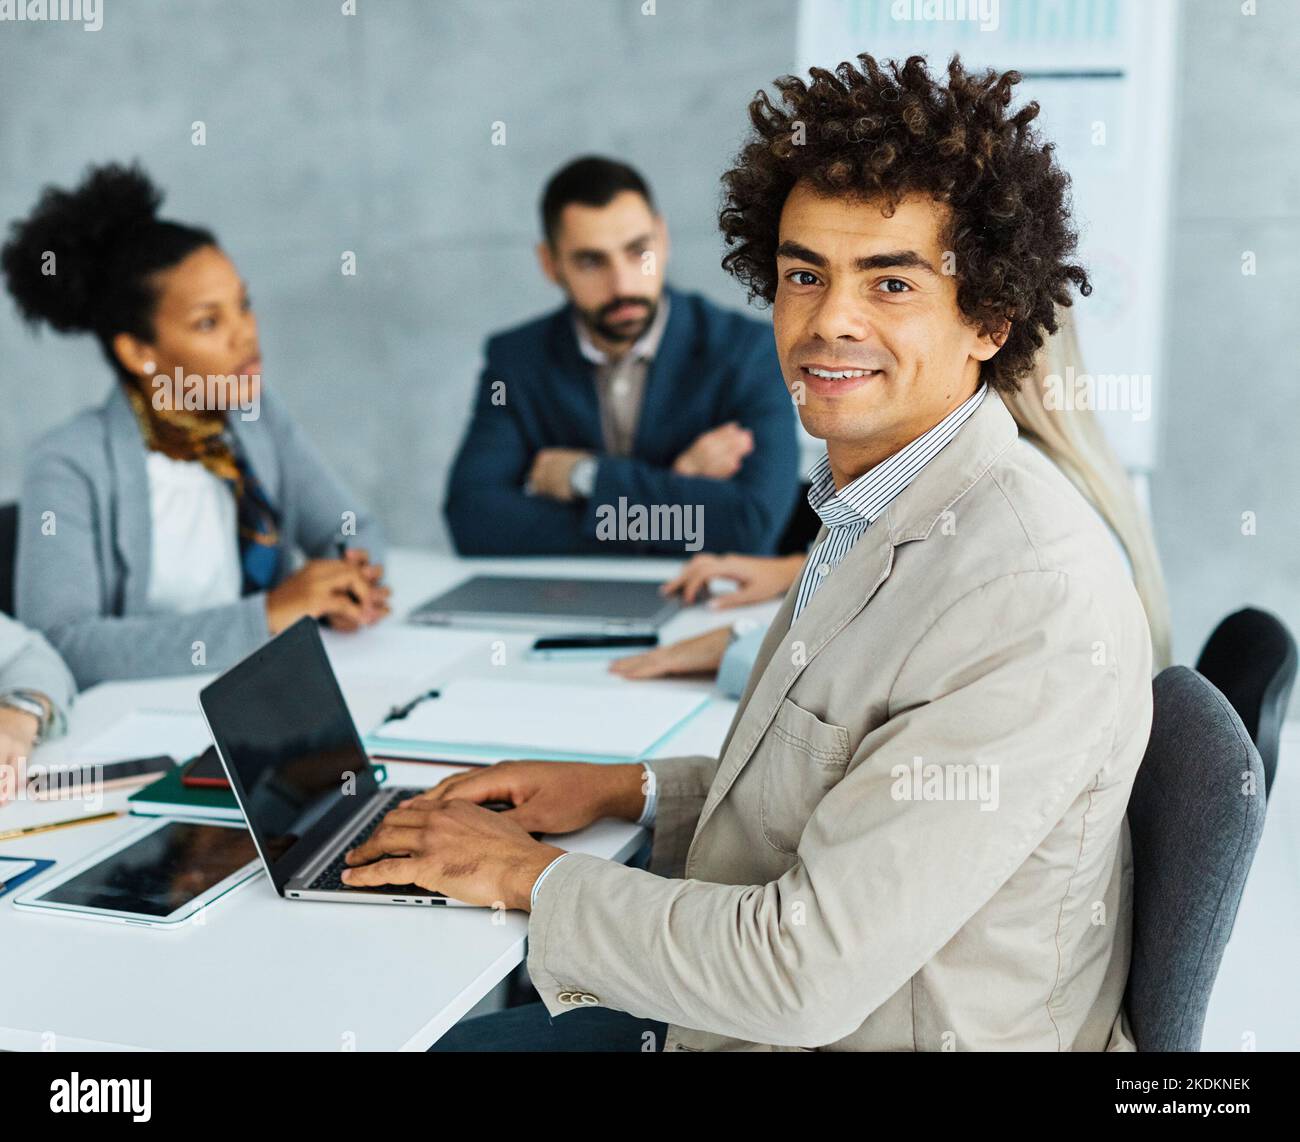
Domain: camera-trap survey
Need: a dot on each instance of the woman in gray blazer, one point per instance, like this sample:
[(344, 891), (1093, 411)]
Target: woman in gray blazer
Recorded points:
[(157, 532)]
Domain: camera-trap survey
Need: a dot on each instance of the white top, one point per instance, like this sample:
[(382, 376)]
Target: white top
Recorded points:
[(194, 553)]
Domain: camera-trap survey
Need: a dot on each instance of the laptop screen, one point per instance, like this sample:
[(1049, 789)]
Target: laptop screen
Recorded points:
[(290, 746)]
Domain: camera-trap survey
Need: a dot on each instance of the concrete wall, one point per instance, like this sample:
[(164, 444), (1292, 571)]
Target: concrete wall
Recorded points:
[(1230, 431), (373, 133)]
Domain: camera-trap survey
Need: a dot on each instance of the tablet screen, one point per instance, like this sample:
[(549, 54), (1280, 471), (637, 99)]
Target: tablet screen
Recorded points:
[(161, 872)]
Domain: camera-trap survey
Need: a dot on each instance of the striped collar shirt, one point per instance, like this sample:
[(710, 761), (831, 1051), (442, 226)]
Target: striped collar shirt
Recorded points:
[(848, 512), (621, 381)]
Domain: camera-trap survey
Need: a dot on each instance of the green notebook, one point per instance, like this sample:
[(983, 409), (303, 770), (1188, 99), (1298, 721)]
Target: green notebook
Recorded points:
[(167, 797)]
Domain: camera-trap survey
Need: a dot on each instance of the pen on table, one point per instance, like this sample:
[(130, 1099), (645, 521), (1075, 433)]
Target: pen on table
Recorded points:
[(11, 834), (401, 711)]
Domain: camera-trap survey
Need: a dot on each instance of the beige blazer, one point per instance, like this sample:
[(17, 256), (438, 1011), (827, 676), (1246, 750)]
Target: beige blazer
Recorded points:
[(914, 838)]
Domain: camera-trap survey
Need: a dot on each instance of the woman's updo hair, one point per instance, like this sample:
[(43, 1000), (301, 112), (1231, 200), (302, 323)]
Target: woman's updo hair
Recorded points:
[(83, 260)]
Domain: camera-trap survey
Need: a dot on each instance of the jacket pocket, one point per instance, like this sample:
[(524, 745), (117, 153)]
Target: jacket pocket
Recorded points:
[(802, 758)]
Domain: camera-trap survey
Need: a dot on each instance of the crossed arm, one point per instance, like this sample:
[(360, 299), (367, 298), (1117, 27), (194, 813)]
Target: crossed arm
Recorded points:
[(506, 496)]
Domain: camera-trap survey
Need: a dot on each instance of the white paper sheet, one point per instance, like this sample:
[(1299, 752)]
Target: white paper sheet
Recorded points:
[(400, 657), (614, 720), (148, 733)]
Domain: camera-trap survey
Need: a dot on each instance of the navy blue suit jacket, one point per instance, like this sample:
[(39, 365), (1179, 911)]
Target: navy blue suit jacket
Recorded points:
[(538, 391)]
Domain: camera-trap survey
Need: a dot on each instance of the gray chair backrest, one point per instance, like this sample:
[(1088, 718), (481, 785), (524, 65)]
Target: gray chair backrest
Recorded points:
[(8, 553), (1251, 659), (1195, 817)]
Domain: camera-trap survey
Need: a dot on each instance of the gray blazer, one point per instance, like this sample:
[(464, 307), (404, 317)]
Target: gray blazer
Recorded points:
[(28, 662), (84, 543)]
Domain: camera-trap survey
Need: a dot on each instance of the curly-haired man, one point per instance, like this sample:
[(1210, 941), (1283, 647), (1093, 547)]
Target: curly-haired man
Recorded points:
[(914, 838)]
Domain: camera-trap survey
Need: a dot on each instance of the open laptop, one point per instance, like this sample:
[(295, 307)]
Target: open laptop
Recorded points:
[(308, 790), (521, 602)]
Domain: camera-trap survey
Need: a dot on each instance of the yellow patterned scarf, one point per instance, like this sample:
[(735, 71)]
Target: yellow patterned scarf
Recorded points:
[(186, 434)]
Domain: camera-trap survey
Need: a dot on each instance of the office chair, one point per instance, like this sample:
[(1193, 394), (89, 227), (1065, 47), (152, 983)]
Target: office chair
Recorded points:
[(802, 527), (8, 550), (1194, 826), (1251, 658)]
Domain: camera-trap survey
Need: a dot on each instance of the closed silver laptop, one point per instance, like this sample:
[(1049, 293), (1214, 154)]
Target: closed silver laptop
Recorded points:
[(519, 602)]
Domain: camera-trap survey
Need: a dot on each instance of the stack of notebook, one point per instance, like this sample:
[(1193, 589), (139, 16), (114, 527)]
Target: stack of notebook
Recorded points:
[(167, 797)]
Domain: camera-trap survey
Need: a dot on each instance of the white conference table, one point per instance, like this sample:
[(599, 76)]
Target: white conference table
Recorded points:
[(261, 973)]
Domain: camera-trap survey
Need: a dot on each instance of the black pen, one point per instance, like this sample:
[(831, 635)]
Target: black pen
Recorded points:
[(399, 712)]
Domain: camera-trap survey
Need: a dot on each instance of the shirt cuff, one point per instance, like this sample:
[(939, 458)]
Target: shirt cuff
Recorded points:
[(582, 477), (532, 896), (738, 660), (647, 818)]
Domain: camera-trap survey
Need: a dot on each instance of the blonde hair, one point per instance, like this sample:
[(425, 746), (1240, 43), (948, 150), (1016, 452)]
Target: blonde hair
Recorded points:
[(1073, 440)]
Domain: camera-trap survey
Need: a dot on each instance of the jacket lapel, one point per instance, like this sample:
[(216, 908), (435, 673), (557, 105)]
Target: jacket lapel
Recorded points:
[(788, 649), (572, 385), (911, 517), (131, 528), (669, 362), (258, 448)]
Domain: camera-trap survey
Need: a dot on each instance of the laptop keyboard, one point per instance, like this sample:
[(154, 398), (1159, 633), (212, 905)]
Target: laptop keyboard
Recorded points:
[(331, 877)]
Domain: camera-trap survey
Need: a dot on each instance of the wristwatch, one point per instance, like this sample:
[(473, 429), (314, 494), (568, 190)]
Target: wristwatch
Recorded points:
[(29, 702), (582, 477)]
